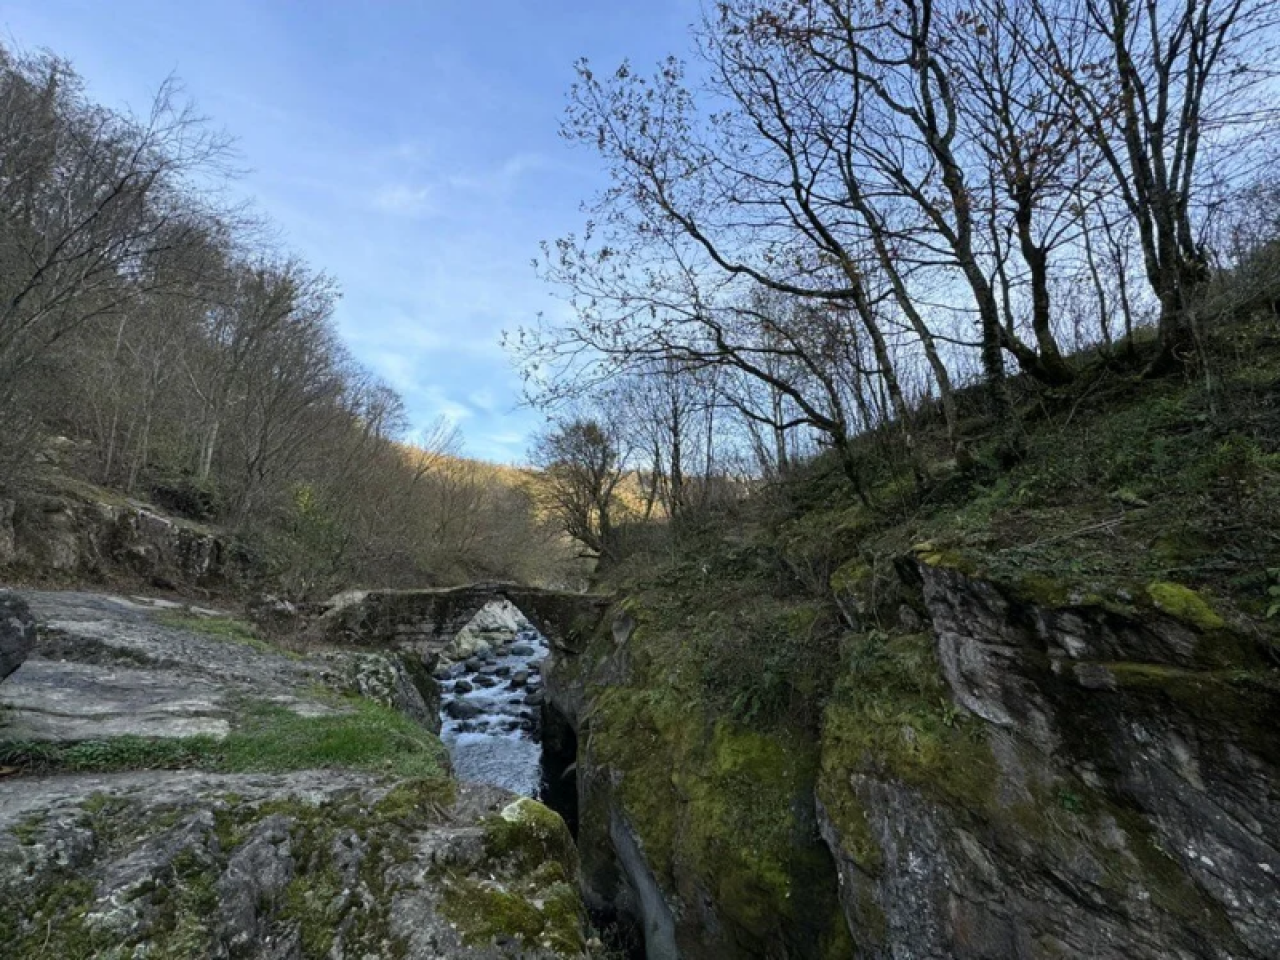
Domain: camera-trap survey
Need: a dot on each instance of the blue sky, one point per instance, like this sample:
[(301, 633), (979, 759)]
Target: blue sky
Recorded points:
[(409, 149)]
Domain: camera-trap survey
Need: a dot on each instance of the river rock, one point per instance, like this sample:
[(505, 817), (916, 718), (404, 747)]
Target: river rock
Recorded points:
[(484, 680), (522, 650), (17, 633), (519, 678), (534, 699), (473, 664), (462, 686), (463, 709)]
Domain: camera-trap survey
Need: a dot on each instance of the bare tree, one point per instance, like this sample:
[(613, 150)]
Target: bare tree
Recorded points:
[(87, 198), (1164, 89), (582, 464)]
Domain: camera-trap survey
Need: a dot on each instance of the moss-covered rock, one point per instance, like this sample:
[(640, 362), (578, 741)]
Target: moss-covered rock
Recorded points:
[(1185, 604), (326, 865), (720, 806), (526, 889)]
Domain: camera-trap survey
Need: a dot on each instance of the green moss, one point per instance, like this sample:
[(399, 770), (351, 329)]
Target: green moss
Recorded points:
[(313, 900), (933, 556), (529, 892), (531, 835), (715, 807), (51, 922), (1185, 604), (266, 738), (27, 830), (486, 910), (891, 718), (851, 577), (1042, 591), (184, 929)]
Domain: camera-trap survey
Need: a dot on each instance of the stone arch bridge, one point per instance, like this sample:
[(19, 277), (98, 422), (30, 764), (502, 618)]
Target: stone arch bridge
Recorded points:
[(426, 620)]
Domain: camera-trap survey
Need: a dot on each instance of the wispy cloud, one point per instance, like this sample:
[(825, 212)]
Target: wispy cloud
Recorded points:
[(403, 200), (420, 197), (502, 180)]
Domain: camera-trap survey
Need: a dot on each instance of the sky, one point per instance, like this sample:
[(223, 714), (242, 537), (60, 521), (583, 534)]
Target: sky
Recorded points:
[(408, 149)]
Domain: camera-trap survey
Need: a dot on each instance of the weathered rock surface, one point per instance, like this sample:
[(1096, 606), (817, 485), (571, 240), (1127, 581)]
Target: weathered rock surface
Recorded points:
[(1133, 807), (106, 666), (76, 533), (1056, 778), (311, 864), (17, 632)]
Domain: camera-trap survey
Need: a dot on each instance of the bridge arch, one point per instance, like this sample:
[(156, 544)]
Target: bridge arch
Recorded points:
[(426, 620)]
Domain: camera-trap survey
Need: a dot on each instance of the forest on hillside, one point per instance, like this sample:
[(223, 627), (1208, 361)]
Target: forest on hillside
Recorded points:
[(898, 234), (151, 321)]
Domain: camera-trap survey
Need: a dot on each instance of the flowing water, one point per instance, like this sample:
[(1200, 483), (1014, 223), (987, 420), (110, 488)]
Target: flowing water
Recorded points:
[(491, 715)]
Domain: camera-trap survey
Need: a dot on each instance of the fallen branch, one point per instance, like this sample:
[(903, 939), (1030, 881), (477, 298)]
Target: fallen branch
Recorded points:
[(1092, 528)]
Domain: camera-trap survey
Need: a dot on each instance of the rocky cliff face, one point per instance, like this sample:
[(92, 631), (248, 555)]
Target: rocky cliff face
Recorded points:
[(76, 535), (1120, 799), (1013, 772)]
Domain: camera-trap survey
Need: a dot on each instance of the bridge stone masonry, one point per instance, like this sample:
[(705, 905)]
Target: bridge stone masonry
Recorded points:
[(426, 620)]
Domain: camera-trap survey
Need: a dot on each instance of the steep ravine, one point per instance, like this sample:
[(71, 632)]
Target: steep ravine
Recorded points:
[(1014, 772)]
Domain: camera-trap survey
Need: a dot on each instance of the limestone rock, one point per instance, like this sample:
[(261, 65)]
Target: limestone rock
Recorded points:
[(107, 666), (400, 681)]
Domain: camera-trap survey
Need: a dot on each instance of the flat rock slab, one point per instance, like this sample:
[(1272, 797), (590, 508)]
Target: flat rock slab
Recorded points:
[(90, 626), (49, 700), (106, 666)]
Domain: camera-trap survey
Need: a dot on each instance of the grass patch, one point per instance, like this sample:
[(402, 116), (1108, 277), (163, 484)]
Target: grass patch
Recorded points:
[(368, 737), (223, 628), (267, 738)]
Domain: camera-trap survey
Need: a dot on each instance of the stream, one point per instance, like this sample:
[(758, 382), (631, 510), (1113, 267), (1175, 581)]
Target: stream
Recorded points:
[(490, 710), (499, 732)]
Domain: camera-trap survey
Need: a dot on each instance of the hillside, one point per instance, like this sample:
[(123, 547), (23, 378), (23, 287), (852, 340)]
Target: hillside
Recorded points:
[(1027, 713)]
